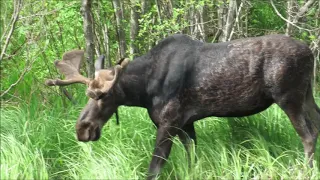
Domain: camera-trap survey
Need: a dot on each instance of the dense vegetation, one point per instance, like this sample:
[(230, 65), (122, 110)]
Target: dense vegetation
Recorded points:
[(37, 123)]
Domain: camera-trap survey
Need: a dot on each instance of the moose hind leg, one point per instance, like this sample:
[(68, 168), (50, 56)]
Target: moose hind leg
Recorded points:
[(311, 113), (186, 135), (305, 118)]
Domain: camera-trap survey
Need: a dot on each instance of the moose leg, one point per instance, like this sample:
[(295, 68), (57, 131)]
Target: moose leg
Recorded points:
[(168, 121), (305, 117), (162, 149), (311, 113), (186, 135)]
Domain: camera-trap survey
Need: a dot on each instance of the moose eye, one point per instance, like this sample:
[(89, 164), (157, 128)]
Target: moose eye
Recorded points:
[(84, 115), (102, 96)]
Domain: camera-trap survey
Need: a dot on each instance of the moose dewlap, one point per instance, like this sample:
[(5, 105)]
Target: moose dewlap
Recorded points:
[(181, 80)]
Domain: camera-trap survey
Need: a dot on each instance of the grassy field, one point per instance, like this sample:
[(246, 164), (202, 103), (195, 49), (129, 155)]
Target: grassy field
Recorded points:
[(38, 142)]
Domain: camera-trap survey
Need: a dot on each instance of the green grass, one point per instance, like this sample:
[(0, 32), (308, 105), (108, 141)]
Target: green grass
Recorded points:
[(38, 142)]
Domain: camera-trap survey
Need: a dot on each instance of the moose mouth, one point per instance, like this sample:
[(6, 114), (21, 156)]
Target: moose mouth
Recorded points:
[(88, 134)]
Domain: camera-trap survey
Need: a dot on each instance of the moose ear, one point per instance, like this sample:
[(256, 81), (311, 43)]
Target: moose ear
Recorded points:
[(99, 64), (103, 82), (123, 62)]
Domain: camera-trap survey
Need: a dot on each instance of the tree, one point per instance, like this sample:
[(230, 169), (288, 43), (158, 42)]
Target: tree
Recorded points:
[(197, 18), (134, 28), (13, 21), (120, 28), (296, 13), (230, 20), (89, 35)]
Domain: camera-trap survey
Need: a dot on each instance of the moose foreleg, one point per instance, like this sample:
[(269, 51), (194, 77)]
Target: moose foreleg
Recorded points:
[(168, 121), (162, 150)]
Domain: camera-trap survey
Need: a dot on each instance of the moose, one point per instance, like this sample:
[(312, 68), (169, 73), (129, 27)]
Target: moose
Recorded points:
[(181, 80)]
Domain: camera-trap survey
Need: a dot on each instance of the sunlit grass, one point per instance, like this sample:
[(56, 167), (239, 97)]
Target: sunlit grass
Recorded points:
[(38, 142)]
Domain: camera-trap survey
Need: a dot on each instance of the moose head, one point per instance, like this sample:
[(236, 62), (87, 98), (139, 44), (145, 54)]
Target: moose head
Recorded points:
[(101, 104)]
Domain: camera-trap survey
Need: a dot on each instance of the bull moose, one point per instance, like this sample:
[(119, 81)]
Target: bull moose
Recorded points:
[(181, 80)]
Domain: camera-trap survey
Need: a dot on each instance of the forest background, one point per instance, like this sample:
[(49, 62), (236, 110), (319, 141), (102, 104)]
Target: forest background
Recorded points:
[(37, 122)]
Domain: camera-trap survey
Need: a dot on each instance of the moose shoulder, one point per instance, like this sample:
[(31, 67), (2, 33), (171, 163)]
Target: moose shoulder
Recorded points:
[(182, 80)]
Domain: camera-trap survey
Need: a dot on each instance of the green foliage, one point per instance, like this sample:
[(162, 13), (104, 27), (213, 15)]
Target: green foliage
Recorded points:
[(263, 20), (163, 29)]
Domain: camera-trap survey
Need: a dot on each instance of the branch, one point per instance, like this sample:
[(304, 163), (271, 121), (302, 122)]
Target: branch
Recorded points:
[(303, 10), (293, 24), (237, 20), (50, 12), (230, 20), (27, 69), (6, 28), (17, 8), (15, 51)]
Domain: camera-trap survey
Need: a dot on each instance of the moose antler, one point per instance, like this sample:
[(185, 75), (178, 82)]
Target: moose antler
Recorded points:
[(70, 67)]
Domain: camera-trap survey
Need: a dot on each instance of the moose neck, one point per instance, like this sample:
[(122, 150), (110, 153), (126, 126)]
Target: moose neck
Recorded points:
[(131, 86)]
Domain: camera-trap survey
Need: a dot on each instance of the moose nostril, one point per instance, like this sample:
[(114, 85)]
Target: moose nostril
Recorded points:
[(97, 134)]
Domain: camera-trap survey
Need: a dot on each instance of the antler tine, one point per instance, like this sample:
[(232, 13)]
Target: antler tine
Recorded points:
[(70, 68)]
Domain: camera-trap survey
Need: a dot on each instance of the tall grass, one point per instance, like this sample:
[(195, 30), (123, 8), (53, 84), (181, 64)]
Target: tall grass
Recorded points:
[(38, 142)]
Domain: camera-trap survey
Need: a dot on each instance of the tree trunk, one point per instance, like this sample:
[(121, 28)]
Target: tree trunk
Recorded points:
[(230, 20), (102, 18), (120, 30), (98, 30), (15, 17), (134, 28), (236, 22), (221, 19), (190, 17), (167, 8), (106, 44), (202, 23), (295, 14), (245, 21), (303, 10), (145, 6), (197, 21), (159, 11), (88, 32), (290, 10)]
